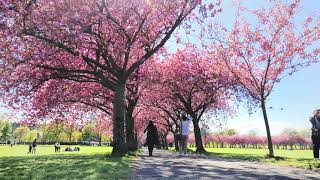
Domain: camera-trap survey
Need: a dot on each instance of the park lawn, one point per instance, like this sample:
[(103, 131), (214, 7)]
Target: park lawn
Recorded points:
[(92, 162), (294, 158)]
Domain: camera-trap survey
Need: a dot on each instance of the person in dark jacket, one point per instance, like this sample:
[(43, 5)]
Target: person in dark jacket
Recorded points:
[(34, 145), (30, 149), (152, 136), (315, 121)]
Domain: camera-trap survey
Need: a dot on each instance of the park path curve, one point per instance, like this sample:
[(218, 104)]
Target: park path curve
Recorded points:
[(168, 165)]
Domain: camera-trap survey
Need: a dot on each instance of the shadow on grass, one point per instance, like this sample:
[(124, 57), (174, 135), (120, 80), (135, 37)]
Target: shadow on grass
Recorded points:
[(97, 166), (294, 162), (244, 157)]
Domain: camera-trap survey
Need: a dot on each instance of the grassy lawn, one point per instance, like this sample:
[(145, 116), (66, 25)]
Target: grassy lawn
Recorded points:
[(90, 163), (295, 158)]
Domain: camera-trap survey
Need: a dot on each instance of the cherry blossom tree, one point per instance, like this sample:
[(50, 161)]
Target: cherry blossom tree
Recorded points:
[(103, 127), (247, 141), (101, 42), (190, 84), (164, 113), (191, 140), (154, 108), (85, 97), (170, 139), (261, 52)]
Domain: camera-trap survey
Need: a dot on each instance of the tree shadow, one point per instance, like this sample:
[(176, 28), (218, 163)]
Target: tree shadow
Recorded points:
[(171, 169), (231, 156), (166, 166), (96, 166)]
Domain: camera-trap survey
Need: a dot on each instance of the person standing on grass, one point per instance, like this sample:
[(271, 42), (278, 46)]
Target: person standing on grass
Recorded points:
[(34, 144), (185, 128), (56, 147), (315, 121), (30, 149), (152, 136)]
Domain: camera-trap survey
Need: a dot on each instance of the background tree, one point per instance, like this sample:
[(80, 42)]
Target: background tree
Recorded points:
[(70, 130), (54, 130), (31, 135), (229, 132), (103, 129), (5, 131), (20, 133), (290, 132), (261, 52), (89, 132), (191, 84), (252, 132), (305, 133)]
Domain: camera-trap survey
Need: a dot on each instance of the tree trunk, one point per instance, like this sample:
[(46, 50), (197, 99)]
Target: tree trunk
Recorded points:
[(130, 136), (119, 112), (197, 135), (166, 143), (100, 140), (130, 133), (265, 117), (176, 145)]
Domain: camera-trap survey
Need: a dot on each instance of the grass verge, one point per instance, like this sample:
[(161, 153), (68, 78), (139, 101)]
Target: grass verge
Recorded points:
[(89, 163), (293, 158)]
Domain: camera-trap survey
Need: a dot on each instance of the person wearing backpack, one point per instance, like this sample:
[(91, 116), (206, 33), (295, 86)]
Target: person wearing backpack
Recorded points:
[(152, 136), (315, 121)]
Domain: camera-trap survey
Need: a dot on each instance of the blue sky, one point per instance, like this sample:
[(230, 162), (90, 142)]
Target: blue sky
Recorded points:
[(298, 95)]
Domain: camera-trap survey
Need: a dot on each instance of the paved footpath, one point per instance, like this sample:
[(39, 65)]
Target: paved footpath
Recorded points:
[(168, 165)]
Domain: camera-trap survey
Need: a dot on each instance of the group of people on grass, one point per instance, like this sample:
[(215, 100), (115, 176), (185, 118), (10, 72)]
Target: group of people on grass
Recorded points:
[(182, 137), (152, 138), (70, 149), (57, 147)]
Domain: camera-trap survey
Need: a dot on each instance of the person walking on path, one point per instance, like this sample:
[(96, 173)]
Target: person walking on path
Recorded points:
[(34, 144), (315, 121), (152, 136), (185, 128)]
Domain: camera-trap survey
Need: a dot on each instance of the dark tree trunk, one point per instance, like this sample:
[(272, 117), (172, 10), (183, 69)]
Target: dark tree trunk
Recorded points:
[(197, 135), (265, 117), (176, 145), (119, 112), (130, 135), (100, 140), (166, 145)]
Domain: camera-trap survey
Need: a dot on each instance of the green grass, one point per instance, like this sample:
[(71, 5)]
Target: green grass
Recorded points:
[(294, 158), (90, 163)]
